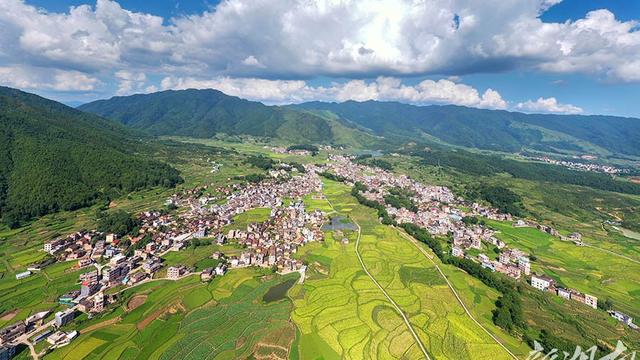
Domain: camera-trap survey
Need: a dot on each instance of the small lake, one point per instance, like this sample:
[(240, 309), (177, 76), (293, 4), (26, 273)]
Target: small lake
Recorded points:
[(339, 223), (278, 292)]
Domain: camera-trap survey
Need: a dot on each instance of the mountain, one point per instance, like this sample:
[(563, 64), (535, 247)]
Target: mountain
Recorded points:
[(53, 157), (490, 129), (204, 113)]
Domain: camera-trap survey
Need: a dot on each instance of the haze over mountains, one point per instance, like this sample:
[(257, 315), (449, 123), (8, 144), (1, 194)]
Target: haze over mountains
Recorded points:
[(203, 113)]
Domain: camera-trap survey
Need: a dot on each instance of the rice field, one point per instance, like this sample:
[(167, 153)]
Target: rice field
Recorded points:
[(342, 314)]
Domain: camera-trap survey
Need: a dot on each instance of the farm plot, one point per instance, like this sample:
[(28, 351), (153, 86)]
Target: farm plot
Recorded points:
[(579, 267), (188, 319), (344, 315)]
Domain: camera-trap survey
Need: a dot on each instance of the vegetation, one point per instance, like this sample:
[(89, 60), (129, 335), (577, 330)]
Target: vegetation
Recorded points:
[(485, 165), (489, 129), (499, 197), (328, 308), (260, 161), (308, 147), (55, 158), (118, 222), (400, 198)]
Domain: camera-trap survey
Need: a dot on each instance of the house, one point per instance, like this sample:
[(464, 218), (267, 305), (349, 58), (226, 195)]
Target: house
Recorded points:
[(64, 317), (524, 264), (564, 293), (175, 272), (207, 274), (457, 252), (22, 275), (622, 317), (6, 352), (591, 300), (542, 282), (221, 269), (9, 333)]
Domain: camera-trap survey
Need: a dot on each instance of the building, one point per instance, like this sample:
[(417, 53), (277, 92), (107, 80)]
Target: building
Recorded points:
[(64, 317), (457, 252), (88, 288), (9, 333), (542, 282), (175, 272), (591, 300), (22, 275), (207, 274), (622, 317), (6, 352), (524, 264), (564, 293)]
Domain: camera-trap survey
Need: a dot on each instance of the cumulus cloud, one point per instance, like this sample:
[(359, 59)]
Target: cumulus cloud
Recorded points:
[(548, 105), (34, 78), (300, 38), (383, 88)]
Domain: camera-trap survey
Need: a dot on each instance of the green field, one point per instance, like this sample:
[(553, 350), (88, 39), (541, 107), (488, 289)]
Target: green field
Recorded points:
[(187, 319), (582, 268), (240, 221), (342, 314)]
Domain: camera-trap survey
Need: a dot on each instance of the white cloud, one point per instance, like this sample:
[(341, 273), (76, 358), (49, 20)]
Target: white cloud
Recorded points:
[(548, 105), (302, 38), (383, 88), (34, 78)]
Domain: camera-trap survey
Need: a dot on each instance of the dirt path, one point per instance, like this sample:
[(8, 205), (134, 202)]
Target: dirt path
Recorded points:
[(102, 324), (453, 290), (384, 292)]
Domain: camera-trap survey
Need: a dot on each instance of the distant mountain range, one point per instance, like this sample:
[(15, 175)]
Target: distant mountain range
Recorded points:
[(204, 113), (53, 157)]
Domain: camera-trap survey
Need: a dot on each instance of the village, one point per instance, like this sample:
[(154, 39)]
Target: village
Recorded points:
[(113, 262), (443, 214)]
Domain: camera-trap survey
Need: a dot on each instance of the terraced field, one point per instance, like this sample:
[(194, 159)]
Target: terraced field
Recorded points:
[(583, 268), (343, 314), (187, 319)]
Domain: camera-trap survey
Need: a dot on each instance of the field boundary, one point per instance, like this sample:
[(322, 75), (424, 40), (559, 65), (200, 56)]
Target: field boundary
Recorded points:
[(384, 292), (455, 293)]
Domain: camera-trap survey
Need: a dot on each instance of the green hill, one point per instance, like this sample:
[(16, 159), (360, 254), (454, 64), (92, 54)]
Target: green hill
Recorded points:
[(53, 157), (490, 129), (204, 113)]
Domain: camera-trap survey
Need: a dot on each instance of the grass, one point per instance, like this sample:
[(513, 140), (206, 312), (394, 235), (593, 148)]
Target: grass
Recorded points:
[(256, 215), (582, 268), (342, 314)]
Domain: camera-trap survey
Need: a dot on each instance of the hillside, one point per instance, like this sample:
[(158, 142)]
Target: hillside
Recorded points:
[(53, 157), (204, 113), (491, 129)]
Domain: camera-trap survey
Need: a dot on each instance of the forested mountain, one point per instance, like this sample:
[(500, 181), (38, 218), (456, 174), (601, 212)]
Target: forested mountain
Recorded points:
[(204, 113), (490, 129), (53, 157)]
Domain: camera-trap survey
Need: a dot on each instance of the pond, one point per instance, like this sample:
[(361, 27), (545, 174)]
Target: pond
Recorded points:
[(339, 223), (278, 292)]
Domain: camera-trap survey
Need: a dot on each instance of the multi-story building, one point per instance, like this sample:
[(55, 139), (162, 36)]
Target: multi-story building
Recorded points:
[(542, 282), (64, 317)]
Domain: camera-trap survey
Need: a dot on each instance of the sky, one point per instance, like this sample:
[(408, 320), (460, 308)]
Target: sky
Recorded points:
[(542, 56)]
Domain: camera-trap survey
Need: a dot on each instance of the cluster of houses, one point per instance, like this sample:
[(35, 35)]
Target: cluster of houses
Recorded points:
[(582, 166), (273, 242), (545, 283), (34, 327)]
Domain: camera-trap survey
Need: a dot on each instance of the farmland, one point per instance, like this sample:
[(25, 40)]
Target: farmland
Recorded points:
[(583, 268), (187, 319), (343, 314)]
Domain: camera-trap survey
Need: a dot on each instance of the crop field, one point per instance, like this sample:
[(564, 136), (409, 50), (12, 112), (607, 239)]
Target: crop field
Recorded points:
[(240, 221), (38, 292), (187, 319), (344, 315), (583, 268), (316, 202)]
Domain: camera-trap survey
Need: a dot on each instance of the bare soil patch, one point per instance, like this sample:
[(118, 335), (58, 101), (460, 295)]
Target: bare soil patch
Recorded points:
[(101, 325), (9, 315), (135, 302), (171, 309)]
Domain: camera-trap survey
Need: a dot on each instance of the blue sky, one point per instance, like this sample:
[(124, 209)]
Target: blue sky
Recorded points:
[(571, 56)]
